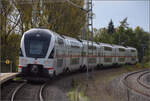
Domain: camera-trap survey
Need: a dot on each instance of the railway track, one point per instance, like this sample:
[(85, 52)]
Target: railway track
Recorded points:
[(140, 80), (41, 92), (134, 82), (16, 90), (25, 84)]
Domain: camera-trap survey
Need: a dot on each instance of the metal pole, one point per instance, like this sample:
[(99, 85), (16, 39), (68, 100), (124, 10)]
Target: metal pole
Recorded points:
[(91, 24), (87, 7), (143, 56), (119, 39), (11, 66), (0, 66)]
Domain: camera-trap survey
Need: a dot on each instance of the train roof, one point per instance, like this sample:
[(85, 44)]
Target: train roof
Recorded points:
[(105, 44), (38, 30), (76, 41), (118, 46), (131, 48), (89, 42)]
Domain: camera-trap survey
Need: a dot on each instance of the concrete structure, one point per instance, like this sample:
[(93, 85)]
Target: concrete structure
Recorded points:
[(6, 76)]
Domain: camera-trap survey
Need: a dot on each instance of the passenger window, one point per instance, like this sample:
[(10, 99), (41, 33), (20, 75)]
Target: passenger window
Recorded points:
[(92, 47), (60, 41), (83, 53), (74, 45), (121, 50), (107, 48), (132, 50)]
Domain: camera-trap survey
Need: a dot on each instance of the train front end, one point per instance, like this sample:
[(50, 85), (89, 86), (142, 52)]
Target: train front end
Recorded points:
[(36, 53)]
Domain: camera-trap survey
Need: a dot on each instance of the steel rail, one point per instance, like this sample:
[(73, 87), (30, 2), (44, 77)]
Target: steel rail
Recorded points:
[(16, 90), (142, 83), (41, 91), (125, 82)]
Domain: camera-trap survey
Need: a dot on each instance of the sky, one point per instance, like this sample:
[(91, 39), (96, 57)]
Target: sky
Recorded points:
[(138, 13)]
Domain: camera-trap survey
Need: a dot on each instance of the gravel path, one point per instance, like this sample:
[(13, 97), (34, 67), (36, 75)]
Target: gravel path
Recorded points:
[(30, 92), (7, 90), (147, 79)]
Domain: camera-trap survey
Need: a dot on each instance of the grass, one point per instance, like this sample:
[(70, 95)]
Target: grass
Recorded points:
[(136, 67), (17, 78), (74, 95)]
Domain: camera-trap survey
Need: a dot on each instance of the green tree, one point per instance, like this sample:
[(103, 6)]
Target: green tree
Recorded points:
[(25, 9), (103, 36), (65, 18), (124, 24), (141, 38), (126, 36), (111, 27), (120, 36)]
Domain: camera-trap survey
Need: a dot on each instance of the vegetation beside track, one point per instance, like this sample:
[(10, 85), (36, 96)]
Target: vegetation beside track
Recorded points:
[(97, 86)]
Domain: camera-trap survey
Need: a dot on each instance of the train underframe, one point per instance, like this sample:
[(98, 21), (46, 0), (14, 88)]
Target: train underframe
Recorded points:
[(35, 72)]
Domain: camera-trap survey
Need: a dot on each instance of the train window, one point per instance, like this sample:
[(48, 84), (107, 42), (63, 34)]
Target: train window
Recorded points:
[(90, 47), (107, 48), (121, 50), (20, 52), (73, 46), (36, 47), (51, 54), (99, 54), (132, 50), (83, 53), (60, 41)]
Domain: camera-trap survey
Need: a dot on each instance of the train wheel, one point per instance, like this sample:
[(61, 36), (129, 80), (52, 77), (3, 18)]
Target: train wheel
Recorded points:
[(101, 66), (67, 71), (97, 67), (80, 68), (84, 68), (54, 75)]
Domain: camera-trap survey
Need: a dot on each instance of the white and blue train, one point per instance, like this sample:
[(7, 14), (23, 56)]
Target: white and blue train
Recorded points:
[(45, 53)]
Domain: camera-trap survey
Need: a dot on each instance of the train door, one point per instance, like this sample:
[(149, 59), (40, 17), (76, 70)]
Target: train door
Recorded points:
[(126, 56), (76, 52), (60, 54), (68, 55), (99, 55), (84, 54), (102, 55), (114, 55)]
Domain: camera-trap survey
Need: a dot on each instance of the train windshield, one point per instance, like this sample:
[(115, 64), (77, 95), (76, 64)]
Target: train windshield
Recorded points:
[(37, 44), (36, 47)]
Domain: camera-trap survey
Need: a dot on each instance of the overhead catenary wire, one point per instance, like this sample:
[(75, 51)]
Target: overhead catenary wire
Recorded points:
[(77, 6)]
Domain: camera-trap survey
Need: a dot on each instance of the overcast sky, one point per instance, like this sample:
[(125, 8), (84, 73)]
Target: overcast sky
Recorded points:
[(138, 13)]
